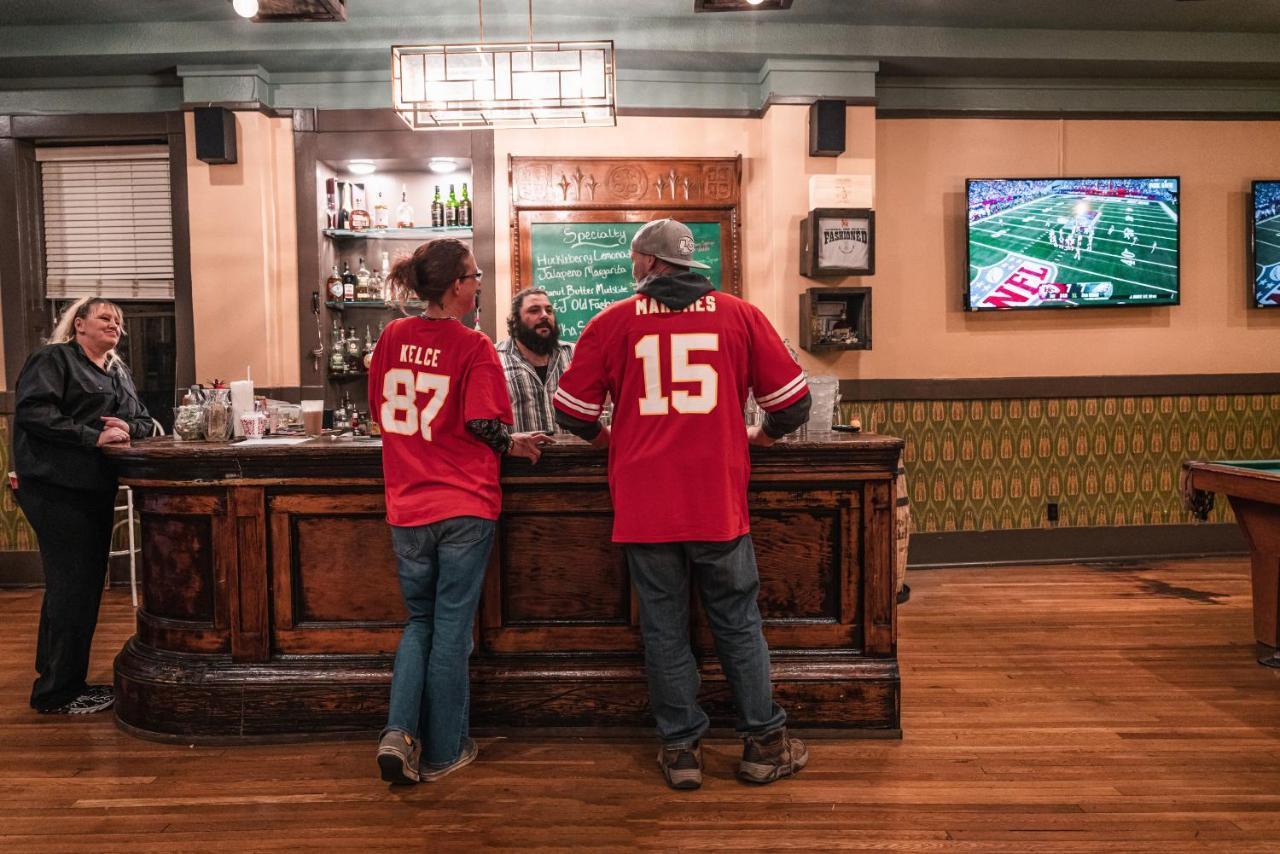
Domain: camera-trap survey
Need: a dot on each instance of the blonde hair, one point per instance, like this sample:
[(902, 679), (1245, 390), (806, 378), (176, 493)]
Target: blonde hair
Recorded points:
[(65, 329)]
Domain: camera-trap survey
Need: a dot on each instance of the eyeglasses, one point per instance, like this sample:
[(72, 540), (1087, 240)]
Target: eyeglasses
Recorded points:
[(477, 275)]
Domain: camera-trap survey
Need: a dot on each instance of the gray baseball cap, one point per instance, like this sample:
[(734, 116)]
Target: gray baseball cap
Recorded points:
[(669, 240)]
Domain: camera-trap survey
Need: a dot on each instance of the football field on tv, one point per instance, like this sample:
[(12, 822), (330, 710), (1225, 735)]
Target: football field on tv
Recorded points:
[(1267, 251), (1103, 250)]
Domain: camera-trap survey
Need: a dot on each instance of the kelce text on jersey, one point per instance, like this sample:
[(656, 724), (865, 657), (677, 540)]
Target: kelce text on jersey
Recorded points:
[(412, 354)]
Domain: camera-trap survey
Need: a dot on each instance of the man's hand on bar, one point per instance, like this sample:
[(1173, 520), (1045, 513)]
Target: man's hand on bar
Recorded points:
[(528, 445), (756, 436)]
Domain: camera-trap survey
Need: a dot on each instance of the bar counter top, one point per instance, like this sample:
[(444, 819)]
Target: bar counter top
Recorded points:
[(271, 607)]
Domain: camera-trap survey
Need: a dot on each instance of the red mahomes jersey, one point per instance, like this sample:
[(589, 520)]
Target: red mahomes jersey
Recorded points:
[(427, 379), (678, 456)]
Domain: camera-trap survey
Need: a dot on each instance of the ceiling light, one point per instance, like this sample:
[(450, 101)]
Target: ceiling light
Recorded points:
[(245, 8), (442, 165), (520, 84), (361, 167)]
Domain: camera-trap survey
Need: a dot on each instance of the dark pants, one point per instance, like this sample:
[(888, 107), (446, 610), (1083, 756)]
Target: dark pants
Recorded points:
[(728, 584), (73, 528)]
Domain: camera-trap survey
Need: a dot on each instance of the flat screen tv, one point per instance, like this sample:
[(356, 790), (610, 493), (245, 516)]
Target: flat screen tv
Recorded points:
[(1266, 244), (1052, 243)]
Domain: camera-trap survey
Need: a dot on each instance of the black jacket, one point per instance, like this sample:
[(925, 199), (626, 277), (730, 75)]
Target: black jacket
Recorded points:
[(61, 398)]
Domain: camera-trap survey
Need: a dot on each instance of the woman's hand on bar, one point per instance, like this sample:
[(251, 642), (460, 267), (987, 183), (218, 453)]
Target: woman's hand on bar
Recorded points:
[(528, 445)]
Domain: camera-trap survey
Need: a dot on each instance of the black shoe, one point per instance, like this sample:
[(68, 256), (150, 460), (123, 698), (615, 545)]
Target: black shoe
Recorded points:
[(95, 698), (904, 594)]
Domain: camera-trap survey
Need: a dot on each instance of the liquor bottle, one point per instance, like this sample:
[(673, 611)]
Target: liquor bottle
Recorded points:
[(381, 215), (345, 204), (404, 213), (362, 282), (437, 210), (348, 283), (385, 277), (451, 209), (359, 219), (464, 209), (337, 351), (366, 355), (333, 286), (331, 202), (353, 351)]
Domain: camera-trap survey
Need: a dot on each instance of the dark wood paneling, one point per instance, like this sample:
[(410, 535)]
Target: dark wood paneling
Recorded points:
[(331, 553), (785, 541), (177, 573), (557, 570)]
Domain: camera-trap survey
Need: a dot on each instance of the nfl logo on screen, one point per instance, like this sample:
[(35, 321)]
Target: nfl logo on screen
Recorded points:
[(843, 242)]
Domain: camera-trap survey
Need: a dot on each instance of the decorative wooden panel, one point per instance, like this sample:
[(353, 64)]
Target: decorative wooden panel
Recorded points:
[(177, 570), (334, 552), (558, 570)]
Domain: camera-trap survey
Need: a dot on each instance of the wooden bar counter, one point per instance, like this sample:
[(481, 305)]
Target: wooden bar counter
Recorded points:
[(270, 605)]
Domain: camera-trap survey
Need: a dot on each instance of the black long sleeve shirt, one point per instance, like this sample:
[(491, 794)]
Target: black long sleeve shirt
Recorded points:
[(61, 399)]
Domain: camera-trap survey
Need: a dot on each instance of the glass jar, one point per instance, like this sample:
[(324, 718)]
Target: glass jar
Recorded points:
[(217, 415), (188, 421)]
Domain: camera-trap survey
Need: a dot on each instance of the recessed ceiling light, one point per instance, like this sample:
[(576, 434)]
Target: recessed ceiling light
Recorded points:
[(361, 167), (442, 165)]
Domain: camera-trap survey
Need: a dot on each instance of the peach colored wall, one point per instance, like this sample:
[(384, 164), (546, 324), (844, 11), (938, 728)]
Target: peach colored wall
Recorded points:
[(775, 184), (244, 271), (920, 329)]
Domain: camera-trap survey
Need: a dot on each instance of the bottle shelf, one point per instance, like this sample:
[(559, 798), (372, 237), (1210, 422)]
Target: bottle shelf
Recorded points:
[(418, 233), (348, 377), (371, 303)]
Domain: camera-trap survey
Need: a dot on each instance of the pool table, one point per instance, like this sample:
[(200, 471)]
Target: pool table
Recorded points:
[(1253, 488)]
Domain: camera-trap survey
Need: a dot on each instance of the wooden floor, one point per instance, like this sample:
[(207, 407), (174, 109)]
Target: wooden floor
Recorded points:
[(1070, 708)]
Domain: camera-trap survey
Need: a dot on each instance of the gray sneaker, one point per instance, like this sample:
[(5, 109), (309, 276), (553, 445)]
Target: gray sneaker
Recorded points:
[(771, 756), (431, 773), (681, 765), (398, 754)]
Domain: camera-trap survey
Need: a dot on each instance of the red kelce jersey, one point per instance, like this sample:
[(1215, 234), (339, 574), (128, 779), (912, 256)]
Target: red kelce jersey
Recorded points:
[(678, 456), (427, 379)]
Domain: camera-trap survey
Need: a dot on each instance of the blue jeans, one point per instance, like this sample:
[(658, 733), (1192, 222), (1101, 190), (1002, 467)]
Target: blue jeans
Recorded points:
[(728, 584), (441, 569)]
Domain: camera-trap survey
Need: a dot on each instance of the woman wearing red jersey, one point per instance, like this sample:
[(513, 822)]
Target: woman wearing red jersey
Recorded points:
[(440, 396)]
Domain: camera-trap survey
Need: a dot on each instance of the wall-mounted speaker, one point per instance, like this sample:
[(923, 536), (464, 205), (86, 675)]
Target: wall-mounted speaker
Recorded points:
[(826, 128), (216, 135)]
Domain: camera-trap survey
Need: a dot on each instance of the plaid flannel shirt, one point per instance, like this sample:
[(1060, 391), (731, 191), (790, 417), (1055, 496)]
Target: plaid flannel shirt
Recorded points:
[(530, 398)]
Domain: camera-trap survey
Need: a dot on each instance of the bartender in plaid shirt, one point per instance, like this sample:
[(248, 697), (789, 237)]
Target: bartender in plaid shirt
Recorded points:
[(533, 359)]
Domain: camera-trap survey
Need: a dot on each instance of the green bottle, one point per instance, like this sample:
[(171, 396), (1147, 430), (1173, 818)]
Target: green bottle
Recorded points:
[(451, 209), (464, 209), (437, 210)]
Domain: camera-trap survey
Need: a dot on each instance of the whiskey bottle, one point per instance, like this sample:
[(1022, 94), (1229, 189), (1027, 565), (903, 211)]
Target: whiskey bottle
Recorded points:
[(404, 213), (381, 215), (353, 351), (333, 286), (348, 283), (366, 355), (437, 210), (451, 209), (362, 282), (337, 351), (464, 209), (345, 204)]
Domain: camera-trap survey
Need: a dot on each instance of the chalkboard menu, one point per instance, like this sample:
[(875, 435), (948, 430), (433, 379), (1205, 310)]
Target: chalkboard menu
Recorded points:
[(586, 266), (574, 217)]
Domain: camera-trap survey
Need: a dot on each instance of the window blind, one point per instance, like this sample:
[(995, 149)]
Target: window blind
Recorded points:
[(108, 224)]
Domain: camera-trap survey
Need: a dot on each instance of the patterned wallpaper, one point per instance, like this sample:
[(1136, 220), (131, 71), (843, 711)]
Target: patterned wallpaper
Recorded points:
[(981, 465)]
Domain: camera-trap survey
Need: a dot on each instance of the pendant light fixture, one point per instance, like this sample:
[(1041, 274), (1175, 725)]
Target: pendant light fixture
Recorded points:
[(531, 84)]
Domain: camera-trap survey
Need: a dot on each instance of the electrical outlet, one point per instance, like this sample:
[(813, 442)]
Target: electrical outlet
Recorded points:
[(1051, 511)]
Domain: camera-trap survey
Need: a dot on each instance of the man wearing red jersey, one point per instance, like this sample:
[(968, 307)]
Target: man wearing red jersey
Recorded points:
[(438, 392), (679, 359)]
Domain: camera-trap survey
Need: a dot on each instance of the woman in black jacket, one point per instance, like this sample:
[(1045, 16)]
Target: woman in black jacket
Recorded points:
[(74, 395)]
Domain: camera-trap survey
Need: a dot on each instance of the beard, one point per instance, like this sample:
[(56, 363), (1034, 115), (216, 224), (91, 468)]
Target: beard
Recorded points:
[(538, 343)]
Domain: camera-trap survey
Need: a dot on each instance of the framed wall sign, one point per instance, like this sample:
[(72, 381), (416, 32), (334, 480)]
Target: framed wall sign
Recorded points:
[(838, 242)]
